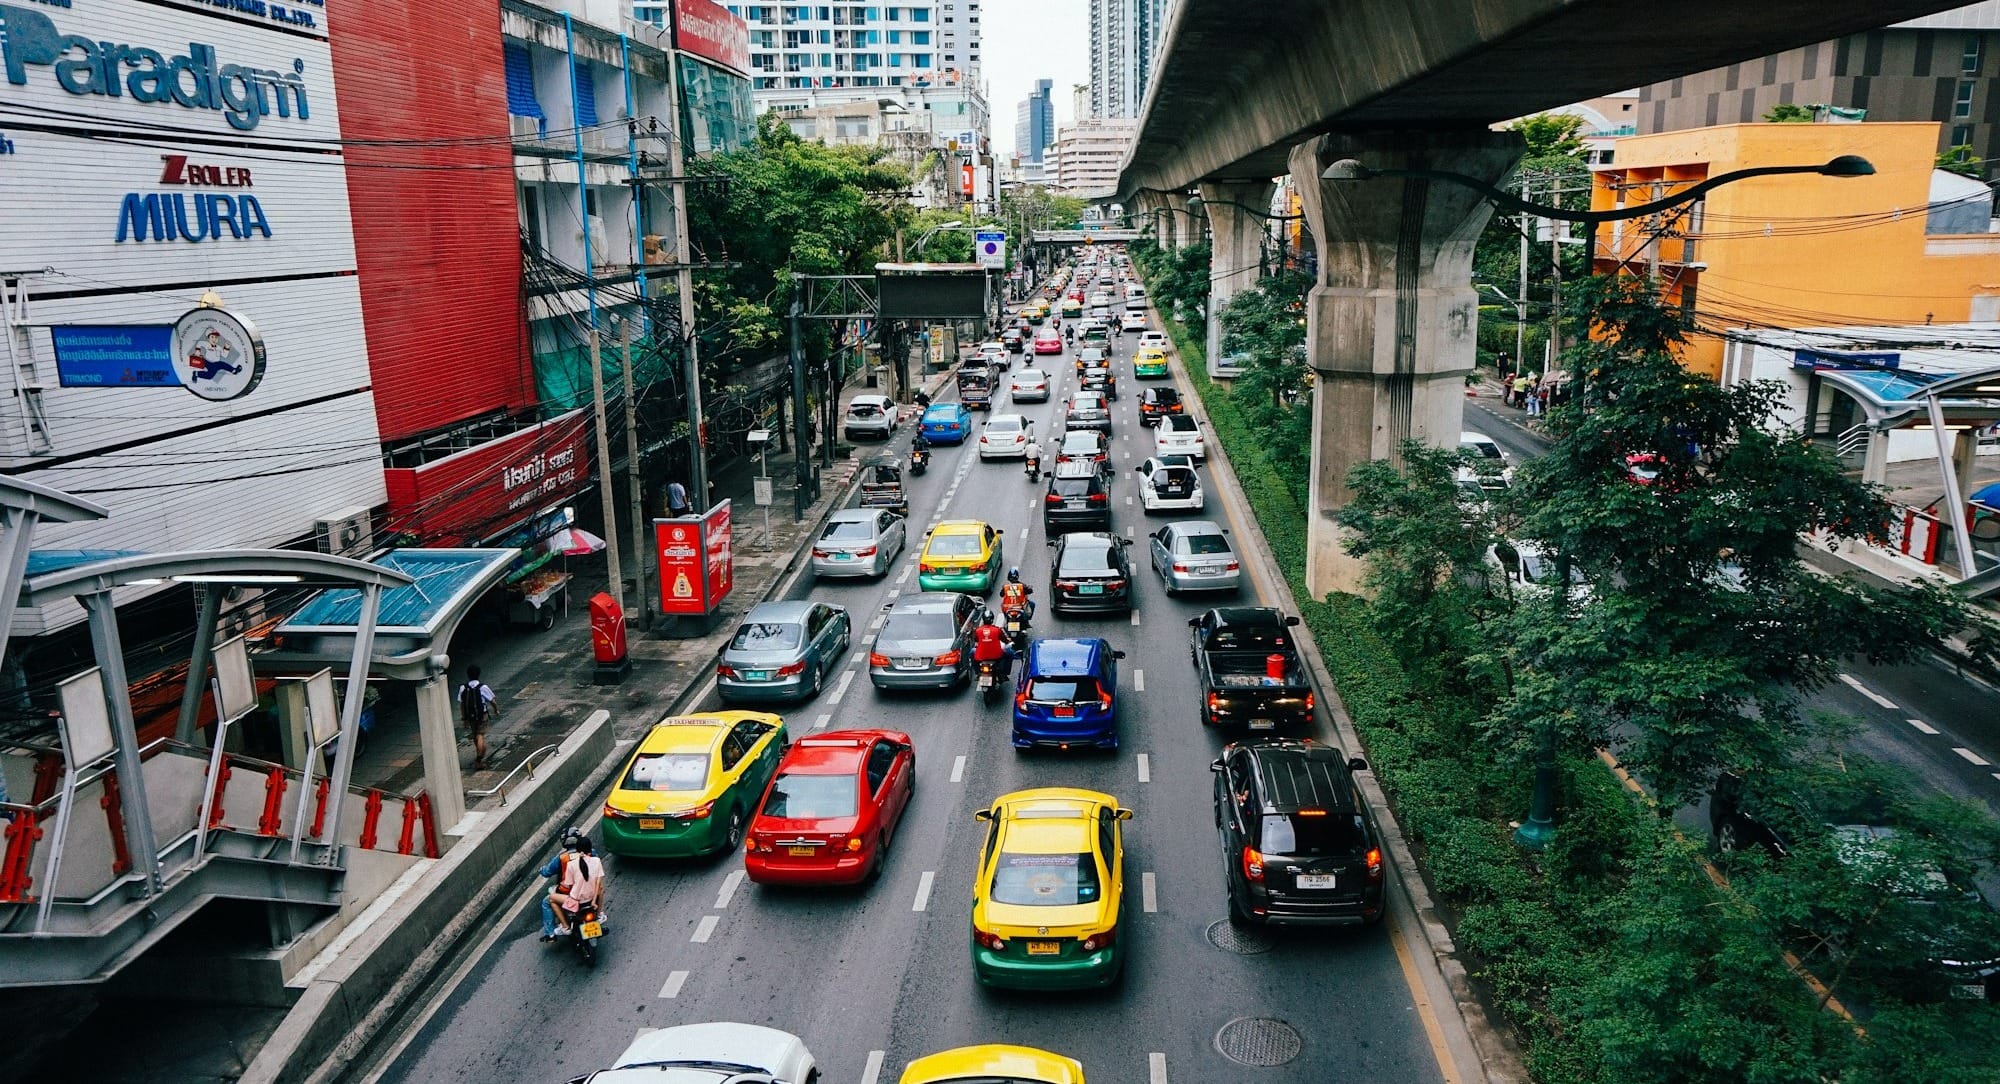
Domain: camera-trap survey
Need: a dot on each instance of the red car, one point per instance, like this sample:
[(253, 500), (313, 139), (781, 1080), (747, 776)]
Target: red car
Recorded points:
[(831, 808), (1048, 341)]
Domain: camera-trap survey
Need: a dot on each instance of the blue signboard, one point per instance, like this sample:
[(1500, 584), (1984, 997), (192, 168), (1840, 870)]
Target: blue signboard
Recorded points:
[(135, 356), (1846, 359)]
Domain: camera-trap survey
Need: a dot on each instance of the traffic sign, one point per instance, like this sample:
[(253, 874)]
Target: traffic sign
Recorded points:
[(990, 247)]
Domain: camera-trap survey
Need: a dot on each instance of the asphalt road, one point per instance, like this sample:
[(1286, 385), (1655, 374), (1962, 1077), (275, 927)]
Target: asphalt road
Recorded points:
[(875, 977), (1940, 725)]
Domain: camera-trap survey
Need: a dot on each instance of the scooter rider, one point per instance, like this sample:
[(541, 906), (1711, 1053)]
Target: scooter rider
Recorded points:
[(1014, 597), (579, 880), (1034, 459), (989, 644)]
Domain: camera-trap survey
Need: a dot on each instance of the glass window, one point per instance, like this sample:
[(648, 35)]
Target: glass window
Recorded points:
[(812, 796), (1062, 689), (1085, 559), (667, 771), (919, 626), (1249, 638), (848, 530), (955, 545), (920, 37), (880, 759), (1204, 543), (922, 15), (1961, 107), (766, 636), (1045, 880), (1961, 135), (1974, 54), (1300, 835)]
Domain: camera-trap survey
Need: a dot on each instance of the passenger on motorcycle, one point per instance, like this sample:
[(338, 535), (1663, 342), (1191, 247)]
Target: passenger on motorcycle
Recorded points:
[(579, 881)]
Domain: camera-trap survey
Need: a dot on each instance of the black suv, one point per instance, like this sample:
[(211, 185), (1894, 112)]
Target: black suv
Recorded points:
[(1156, 403), (1090, 573), (1079, 499), (1297, 844)]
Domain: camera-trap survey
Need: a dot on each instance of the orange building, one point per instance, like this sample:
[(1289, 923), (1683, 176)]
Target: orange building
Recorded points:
[(1909, 245)]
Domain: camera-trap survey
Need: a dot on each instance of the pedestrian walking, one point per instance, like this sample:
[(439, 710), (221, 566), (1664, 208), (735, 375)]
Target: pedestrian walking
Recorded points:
[(1542, 400), (677, 499), (1520, 389), (476, 709)]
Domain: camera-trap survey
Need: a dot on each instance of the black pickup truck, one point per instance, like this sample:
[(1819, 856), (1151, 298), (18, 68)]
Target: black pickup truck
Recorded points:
[(1232, 648)]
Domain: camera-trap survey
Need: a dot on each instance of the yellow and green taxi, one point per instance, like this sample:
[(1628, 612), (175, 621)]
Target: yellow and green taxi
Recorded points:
[(1051, 883), (993, 1063), (1149, 361), (693, 784), (960, 555), (1072, 307)]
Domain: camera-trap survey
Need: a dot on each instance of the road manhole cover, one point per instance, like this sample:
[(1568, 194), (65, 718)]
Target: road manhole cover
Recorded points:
[(1227, 936), (1260, 1041)]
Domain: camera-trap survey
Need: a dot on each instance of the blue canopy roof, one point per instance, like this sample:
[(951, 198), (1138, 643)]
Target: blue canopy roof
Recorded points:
[(444, 577), (43, 562)]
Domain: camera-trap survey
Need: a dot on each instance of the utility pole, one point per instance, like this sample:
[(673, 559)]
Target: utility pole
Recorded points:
[(1555, 283), (1521, 298), (684, 283), (633, 482), (604, 468), (802, 496)]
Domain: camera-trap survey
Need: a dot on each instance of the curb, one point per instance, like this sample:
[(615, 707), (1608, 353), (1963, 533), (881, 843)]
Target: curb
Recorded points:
[(1479, 1049)]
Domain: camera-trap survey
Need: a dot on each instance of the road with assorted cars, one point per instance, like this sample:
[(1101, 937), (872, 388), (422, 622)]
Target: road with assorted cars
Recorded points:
[(1082, 868)]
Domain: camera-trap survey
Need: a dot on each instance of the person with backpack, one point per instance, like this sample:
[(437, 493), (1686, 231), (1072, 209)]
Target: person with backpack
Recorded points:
[(476, 709)]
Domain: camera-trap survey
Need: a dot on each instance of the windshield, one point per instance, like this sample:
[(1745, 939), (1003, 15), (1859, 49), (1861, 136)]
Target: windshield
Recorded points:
[(1063, 689), (1305, 836), (919, 626), (767, 636), (954, 545), (1179, 423), (849, 530), (1079, 442), (941, 413), (1536, 568), (1204, 543), (1045, 880), (1004, 424), (667, 771), (812, 797)]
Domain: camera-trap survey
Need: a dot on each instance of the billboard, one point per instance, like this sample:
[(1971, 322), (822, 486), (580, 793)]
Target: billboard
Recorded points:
[(709, 31), (469, 496), (697, 565)]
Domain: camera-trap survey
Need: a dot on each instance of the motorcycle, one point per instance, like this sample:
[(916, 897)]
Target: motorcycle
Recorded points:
[(586, 927), (989, 681), (1034, 466), (920, 460)]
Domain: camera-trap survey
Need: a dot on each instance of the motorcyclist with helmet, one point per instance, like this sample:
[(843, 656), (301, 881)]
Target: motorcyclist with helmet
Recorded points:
[(1014, 598), (989, 644), (579, 880)]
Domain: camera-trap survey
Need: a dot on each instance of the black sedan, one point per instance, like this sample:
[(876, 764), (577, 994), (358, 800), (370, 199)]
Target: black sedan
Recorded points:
[(1091, 574)]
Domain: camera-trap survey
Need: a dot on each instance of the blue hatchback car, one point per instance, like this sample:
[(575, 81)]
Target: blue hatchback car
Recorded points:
[(1067, 695), (949, 423)]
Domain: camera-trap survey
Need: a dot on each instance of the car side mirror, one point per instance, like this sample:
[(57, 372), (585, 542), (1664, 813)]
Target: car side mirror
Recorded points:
[(1051, 541), (1124, 814), (1194, 622), (1291, 622), (1215, 766), (998, 531), (1356, 764), (983, 815), (1117, 654)]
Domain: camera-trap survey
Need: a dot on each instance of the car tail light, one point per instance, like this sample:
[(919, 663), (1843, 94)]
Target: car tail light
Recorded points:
[(615, 814), (869, 552), (1065, 585), (992, 942), (1100, 940), (1309, 700), (1232, 566), (1214, 701), (949, 658), (724, 671), (1099, 498), (926, 567), (1021, 700), (1115, 585), (699, 812), (877, 659), (817, 552), (854, 843), (1374, 863), (757, 844), (1052, 499), (793, 669), (1104, 700), (1253, 864)]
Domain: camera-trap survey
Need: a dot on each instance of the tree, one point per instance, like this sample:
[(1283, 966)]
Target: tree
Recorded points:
[(1551, 135), (1788, 113), (1962, 161), (1268, 323), (1554, 169), (1425, 549)]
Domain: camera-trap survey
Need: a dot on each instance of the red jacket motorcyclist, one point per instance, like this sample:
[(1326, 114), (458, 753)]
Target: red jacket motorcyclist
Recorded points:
[(989, 643)]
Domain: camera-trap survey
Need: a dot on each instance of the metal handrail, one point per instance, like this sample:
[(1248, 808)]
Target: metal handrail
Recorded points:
[(500, 787)]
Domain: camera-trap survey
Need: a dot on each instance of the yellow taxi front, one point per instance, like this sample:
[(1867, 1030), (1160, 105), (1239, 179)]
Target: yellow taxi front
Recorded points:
[(692, 784), (1051, 884), (993, 1063)]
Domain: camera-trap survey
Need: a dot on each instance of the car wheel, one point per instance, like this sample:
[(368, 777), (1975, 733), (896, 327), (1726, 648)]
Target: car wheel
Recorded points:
[(734, 838), (1726, 841), (817, 681), (881, 858), (1237, 915)]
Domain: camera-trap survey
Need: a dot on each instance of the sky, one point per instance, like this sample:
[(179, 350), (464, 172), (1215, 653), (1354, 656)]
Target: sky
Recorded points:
[(1026, 40)]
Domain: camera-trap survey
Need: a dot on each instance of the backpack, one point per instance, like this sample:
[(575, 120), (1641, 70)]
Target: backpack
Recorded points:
[(472, 703)]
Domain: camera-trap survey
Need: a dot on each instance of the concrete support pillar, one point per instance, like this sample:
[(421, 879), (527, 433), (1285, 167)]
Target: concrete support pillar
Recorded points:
[(1188, 224), (1390, 328), (1154, 214), (1235, 260), (1875, 463), (437, 732)]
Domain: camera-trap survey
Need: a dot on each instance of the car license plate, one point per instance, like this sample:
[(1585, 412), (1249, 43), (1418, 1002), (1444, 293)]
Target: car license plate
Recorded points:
[(1090, 589), (1208, 570), (841, 555), (801, 852), (1969, 991), (912, 664), (1316, 880), (1044, 948), (1262, 724), (1065, 711), (652, 824), (756, 675), (593, 930)]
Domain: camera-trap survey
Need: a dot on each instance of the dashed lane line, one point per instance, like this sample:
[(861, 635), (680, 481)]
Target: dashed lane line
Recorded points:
[(958, 769), (705, 929), (1135, 619), (904, 576), (875, 623), (1971, 757), (895, 591), (1138, 681), (924, 890), (820, 723), (1145, 768), (840, 687), (728, 890), (674, 983), (1149, 893), (1156, 1068), (872, 1071), (1923, 727), (854, 658), (1880, 701)]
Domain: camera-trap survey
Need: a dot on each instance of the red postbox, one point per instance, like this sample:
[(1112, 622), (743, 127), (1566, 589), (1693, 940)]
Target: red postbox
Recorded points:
[(607, 629)]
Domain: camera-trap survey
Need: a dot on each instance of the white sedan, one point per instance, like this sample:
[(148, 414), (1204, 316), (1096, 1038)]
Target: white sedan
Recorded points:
[(711, 1052), (1132, 321), (1031, 385), (1153, 338), (1178, 434), (1004, 436), (1169, 485)]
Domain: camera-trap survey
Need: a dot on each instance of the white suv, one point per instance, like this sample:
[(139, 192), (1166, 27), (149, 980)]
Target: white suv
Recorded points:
[(873, 415)]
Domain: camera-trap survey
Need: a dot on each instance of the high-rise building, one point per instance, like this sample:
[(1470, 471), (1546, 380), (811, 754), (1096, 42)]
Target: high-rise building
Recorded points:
[(1088, 154), (1125, 37), (1035, 122), (807, 55)]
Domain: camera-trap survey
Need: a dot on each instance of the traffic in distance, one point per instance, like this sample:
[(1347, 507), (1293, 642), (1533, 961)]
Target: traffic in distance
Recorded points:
[(1035, 649)]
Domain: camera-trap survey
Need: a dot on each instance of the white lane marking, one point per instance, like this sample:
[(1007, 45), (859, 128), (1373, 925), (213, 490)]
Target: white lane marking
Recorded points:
[(1128, 500), (704, 928), (958, 769), (1128, 530), (1971, 757), (1923, 727), (1135, 619), (854, 658), (840, 689), (1149, 892), (1880, 700), (924, 891), (674, 983), (894, 591), (1145, 768), (873, 1069), (875, 625), (904, 576), (820, 723), (729, 886), (1156, 1068), (1138, 681)]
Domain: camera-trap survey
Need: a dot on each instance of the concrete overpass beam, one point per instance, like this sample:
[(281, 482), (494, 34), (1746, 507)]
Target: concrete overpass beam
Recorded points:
[(1391, 325), (1235, 260), (1187, 224)]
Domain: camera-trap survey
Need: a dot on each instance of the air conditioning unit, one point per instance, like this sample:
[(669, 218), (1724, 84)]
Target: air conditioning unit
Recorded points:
[(347, 533)]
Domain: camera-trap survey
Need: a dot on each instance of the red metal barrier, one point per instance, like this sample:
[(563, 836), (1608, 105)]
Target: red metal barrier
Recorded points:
[(409, 840), (430, 825), (114, 815), (15, 873), (215, 800), (273, 820), (48, 777), (319, 807), (371, 820)]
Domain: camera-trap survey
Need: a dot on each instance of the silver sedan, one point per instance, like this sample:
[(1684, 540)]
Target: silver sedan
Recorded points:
[(1195, 555), (926, 641), (859, 542)]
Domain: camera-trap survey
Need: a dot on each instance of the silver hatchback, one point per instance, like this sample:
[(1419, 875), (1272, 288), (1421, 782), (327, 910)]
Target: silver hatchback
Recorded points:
[(859, 542), (1195, 555), (926, 641)]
